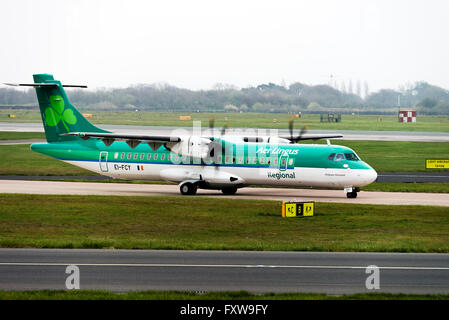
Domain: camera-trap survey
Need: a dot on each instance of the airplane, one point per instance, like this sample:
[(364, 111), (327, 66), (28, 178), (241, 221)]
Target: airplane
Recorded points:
[(218, 162)]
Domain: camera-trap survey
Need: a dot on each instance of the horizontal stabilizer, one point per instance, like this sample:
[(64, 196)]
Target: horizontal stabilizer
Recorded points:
[(44, 85)]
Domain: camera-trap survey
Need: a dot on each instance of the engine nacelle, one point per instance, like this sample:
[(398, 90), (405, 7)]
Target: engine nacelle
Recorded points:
[(278, 140), (192, 146), (211, 176)]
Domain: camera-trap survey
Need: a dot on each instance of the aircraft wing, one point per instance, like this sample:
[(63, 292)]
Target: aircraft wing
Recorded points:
[(296, 139), (133, 140)]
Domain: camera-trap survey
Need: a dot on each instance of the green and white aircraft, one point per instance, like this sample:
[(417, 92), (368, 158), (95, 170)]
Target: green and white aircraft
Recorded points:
[(221, 162)]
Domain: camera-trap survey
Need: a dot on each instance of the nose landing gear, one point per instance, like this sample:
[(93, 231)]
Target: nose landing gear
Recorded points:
[(351, 192)]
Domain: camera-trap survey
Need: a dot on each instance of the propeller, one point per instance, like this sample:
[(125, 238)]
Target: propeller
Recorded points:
[(213, 145), (301, 132), (212, 123)]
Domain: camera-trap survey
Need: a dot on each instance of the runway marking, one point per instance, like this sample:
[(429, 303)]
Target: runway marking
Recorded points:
[(39, 264)]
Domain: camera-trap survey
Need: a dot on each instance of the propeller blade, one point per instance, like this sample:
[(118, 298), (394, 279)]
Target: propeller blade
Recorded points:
[(223, 130), (212, 122), (290, 126)]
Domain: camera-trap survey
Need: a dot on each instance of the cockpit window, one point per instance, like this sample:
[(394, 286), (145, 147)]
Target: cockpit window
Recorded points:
[(351, 157), (331, 157), (339, 157)]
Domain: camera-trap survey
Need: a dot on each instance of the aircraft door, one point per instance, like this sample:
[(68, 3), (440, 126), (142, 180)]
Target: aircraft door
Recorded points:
[(103, 160), (283, 162)]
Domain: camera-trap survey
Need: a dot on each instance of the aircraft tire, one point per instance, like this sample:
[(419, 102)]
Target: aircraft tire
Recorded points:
[(229, 191), (188, 189), (351, 195)]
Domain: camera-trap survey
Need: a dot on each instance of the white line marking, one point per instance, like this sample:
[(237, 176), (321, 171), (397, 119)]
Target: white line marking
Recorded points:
[(38, 264)]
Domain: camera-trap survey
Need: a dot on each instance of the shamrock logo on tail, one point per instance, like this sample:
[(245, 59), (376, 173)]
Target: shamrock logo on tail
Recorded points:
[(57, 112)]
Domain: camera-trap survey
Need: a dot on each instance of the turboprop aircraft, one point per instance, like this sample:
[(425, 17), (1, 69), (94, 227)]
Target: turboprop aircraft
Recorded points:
[(194, 161)]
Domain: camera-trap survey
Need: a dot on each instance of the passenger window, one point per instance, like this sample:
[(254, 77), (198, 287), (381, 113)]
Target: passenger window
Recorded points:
[(240, 160), (142, 156), (163, 156), (331, 156), (122, 156), (262, 160), (116, 155), (155, 156), (128, 156), (283, 162), (290, 162), (135, 156), (149, 156), (254, 160), (339, 157)]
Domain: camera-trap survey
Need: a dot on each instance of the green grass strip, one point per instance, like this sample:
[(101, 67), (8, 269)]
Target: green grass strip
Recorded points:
[(185, 295), (53, 221)]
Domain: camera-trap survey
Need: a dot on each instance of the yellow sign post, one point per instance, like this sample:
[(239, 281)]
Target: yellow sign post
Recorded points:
[(292, 209), (437, 164)]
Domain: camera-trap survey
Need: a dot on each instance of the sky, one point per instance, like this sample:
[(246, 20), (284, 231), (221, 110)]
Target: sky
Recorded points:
[(195, 44)]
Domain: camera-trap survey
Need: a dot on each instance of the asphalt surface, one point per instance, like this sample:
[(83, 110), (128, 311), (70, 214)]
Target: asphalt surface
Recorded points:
[(126, 270), (281, 194), (347, 134)]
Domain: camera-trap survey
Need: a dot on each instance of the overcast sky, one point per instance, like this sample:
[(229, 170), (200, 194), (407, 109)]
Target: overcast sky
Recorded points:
[(195, 44)]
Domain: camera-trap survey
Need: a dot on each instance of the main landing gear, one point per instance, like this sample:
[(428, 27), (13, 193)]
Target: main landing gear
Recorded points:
[(188, 188), (351, 192), (229, 191)]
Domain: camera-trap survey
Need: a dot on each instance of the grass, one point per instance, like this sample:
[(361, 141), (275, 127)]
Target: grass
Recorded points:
[(20, 160), (186, 295), (50, 221), (248, 120), (384, 156), (21, 135), (439, 187)]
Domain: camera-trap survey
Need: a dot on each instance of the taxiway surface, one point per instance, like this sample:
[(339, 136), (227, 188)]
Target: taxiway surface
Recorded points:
[(320, 272), (129, 189)]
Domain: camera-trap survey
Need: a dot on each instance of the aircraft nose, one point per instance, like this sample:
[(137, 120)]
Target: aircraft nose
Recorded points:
[(371, 176)]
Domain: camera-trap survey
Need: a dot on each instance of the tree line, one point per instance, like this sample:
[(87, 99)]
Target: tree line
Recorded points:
[(298, 97)]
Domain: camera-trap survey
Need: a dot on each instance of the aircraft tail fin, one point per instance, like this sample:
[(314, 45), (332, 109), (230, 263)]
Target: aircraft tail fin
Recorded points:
[(59, 116)]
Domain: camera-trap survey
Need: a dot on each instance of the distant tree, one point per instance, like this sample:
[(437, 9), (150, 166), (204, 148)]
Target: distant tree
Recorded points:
[(428, 103), (231, 108), (350, 87), (358, 89), (244, 108), (365, 89), (314, 106), (343, 87)]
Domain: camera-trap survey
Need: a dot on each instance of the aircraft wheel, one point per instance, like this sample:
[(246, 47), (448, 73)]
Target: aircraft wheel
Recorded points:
[(351, 194), (188, 189), (229, 191)]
